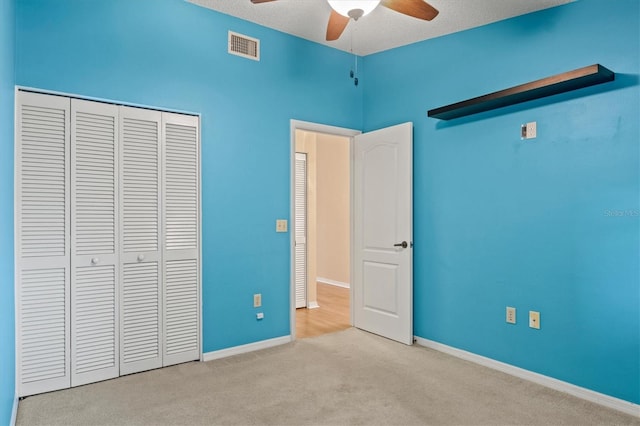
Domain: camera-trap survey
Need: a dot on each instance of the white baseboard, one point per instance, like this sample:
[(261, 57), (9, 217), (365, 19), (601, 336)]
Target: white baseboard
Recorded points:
[(332, 282), (14, 412), (580, 392), (242, 349), (313, 305)]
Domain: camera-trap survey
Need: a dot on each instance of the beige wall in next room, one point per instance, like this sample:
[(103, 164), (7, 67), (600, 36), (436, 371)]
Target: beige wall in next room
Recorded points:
[(333, 215), (328, 204)]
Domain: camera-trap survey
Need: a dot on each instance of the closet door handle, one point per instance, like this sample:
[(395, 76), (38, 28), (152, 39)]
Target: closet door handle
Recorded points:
[(94, 261), (403, 244), (140, 257)]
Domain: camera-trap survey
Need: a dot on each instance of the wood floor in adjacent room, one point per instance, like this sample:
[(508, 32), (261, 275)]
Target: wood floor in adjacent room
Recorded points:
[(332, 315)]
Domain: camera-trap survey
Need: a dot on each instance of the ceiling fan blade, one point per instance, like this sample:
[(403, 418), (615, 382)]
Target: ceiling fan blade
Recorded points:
[(337, 24), (416, 8), (260, 1)]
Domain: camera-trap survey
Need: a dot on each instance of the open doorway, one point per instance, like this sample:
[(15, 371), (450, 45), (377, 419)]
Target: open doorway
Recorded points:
[(321, 229)]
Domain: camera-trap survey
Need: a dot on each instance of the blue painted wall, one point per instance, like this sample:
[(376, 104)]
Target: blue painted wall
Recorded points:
[(550, 225), (7, 324), (170, 53)]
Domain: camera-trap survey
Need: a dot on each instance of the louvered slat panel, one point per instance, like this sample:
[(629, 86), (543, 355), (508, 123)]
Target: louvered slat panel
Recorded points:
[(140, 185), (181, 281), (43, 334), (43, 174), (95, 183), (301, 194), (181, 187), (95, 318), (301, 273), (141, 334), (301, 229)]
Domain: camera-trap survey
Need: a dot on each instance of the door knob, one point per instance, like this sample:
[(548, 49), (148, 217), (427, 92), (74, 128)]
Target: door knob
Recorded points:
[(140, 257), (94, 261), (402, 244)]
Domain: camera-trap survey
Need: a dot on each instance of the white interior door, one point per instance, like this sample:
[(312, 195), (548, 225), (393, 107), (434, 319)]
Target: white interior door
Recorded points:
[(94, 229), (141, 279), (382, 182), (42, 243), (301, 229)]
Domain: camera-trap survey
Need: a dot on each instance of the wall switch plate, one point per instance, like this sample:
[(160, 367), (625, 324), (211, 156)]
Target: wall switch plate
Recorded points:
[(257, 300), (281, 225), (529, 130), (534, 319), (511, 315), (259, 315)]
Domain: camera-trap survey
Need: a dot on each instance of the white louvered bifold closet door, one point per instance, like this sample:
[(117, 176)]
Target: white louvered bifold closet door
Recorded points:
[(141, 288), (181, 268), (94, 227), (42, 243), (107, 241), (301, 229)]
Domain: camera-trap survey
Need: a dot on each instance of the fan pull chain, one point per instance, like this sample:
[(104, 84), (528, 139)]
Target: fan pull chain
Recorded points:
[(355, 80), (353, 74)]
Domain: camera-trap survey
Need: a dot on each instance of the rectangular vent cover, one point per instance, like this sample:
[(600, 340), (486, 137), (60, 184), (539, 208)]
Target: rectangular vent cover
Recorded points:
[(242, 45)]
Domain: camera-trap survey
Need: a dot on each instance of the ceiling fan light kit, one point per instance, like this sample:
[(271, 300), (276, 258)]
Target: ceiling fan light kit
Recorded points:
[(353, 8)]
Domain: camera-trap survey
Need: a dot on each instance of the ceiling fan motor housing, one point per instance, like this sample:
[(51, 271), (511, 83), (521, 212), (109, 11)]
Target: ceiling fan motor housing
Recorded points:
[(354, 8)]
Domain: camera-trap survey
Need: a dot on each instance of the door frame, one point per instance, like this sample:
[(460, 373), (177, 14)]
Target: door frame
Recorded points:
[(331, 130)]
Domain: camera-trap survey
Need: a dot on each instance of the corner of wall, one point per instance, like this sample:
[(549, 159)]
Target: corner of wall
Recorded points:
[(14, 411), (8, 398)]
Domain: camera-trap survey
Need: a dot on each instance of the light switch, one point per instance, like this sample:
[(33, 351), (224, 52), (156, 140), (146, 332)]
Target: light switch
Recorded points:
[(281, 225), (529, 130)]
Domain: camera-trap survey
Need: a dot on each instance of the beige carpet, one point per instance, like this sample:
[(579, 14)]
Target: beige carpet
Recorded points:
[(346, 378)]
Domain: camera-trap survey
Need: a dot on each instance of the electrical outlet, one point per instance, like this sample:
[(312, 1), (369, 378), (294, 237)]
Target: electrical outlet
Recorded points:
[(257, 300), (281, 225), (511, 315), (534, 319), (259, 315)]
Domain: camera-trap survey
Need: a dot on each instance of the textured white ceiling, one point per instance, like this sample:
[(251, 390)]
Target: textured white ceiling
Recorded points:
[(382, 29)]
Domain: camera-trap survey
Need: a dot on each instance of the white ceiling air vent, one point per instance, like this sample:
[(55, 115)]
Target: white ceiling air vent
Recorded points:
[(242, 45)]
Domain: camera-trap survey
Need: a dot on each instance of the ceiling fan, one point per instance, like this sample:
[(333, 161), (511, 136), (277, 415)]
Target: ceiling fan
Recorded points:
[(343, 10)]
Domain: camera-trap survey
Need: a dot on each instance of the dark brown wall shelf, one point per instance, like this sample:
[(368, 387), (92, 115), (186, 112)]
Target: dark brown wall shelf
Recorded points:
[(571, 80)]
